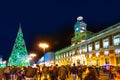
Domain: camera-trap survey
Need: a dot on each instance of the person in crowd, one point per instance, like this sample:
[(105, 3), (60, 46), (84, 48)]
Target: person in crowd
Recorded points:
[(97, 68), (68, 69), (7, 73), (104, 69), (113, 72), (91, 75), (51, 72), (55, 73), (39, 71), (13, 73), (62, 73), (74, 71), (117, 75), (45, 71), (80, 72), (20, 75), (1, 74)]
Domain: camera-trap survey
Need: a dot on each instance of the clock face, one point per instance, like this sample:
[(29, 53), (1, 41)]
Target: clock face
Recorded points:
[(77, 29)]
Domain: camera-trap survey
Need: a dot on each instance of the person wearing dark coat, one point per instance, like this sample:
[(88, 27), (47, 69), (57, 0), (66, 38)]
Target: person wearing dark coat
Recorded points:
[(74, 71)]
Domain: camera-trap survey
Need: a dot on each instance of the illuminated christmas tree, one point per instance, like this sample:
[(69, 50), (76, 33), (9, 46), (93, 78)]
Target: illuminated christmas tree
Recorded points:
[(19, 55)]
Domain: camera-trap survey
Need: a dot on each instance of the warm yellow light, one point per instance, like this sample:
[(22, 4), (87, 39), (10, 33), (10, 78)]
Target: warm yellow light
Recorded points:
[(32, 55), (43, 45)]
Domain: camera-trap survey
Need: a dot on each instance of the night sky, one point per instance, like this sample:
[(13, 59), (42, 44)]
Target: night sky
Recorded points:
[(51, 21)]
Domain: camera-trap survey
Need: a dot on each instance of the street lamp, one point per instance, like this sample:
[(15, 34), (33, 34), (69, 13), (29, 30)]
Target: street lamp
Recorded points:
[(44, 46)]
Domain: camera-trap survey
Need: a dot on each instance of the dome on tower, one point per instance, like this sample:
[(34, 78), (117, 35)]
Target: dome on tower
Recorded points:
[(79, 18)]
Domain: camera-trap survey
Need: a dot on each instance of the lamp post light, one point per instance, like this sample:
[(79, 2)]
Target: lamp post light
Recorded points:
[(43, 46)]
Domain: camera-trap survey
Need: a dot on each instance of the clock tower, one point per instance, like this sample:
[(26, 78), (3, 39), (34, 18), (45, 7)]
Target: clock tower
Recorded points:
[(79, 30), (80, 26)]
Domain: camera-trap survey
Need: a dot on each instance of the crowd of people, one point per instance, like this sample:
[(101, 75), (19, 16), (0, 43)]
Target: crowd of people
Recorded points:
[(58, 72)]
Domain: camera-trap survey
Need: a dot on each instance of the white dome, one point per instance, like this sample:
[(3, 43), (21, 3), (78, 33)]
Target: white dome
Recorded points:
[(79, 18)]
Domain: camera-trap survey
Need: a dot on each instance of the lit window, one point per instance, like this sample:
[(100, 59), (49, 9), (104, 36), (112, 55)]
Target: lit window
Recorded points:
[(90, 47), (97, 45), (70, 53), (66, 54), (80, 51), (56, 57), (117, 51), (90, 55), (61, 56), (97, 54), (83, 48), (106, 53), (106, 43), (116, 40), (73, 52)]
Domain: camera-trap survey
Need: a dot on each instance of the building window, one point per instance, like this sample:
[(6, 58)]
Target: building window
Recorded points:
[(97, 45), (116, 40), (66, 54), (84, 48), (73, 52), (106, 43), (90, 47), (117, 51), (61, 56), (107, 60), (56, 57), (70, 53), (90, 55), (97, 54), (106, 53), (80, 51)]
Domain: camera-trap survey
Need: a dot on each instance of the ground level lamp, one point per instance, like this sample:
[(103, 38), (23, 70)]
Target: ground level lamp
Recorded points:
[(43, 46)]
